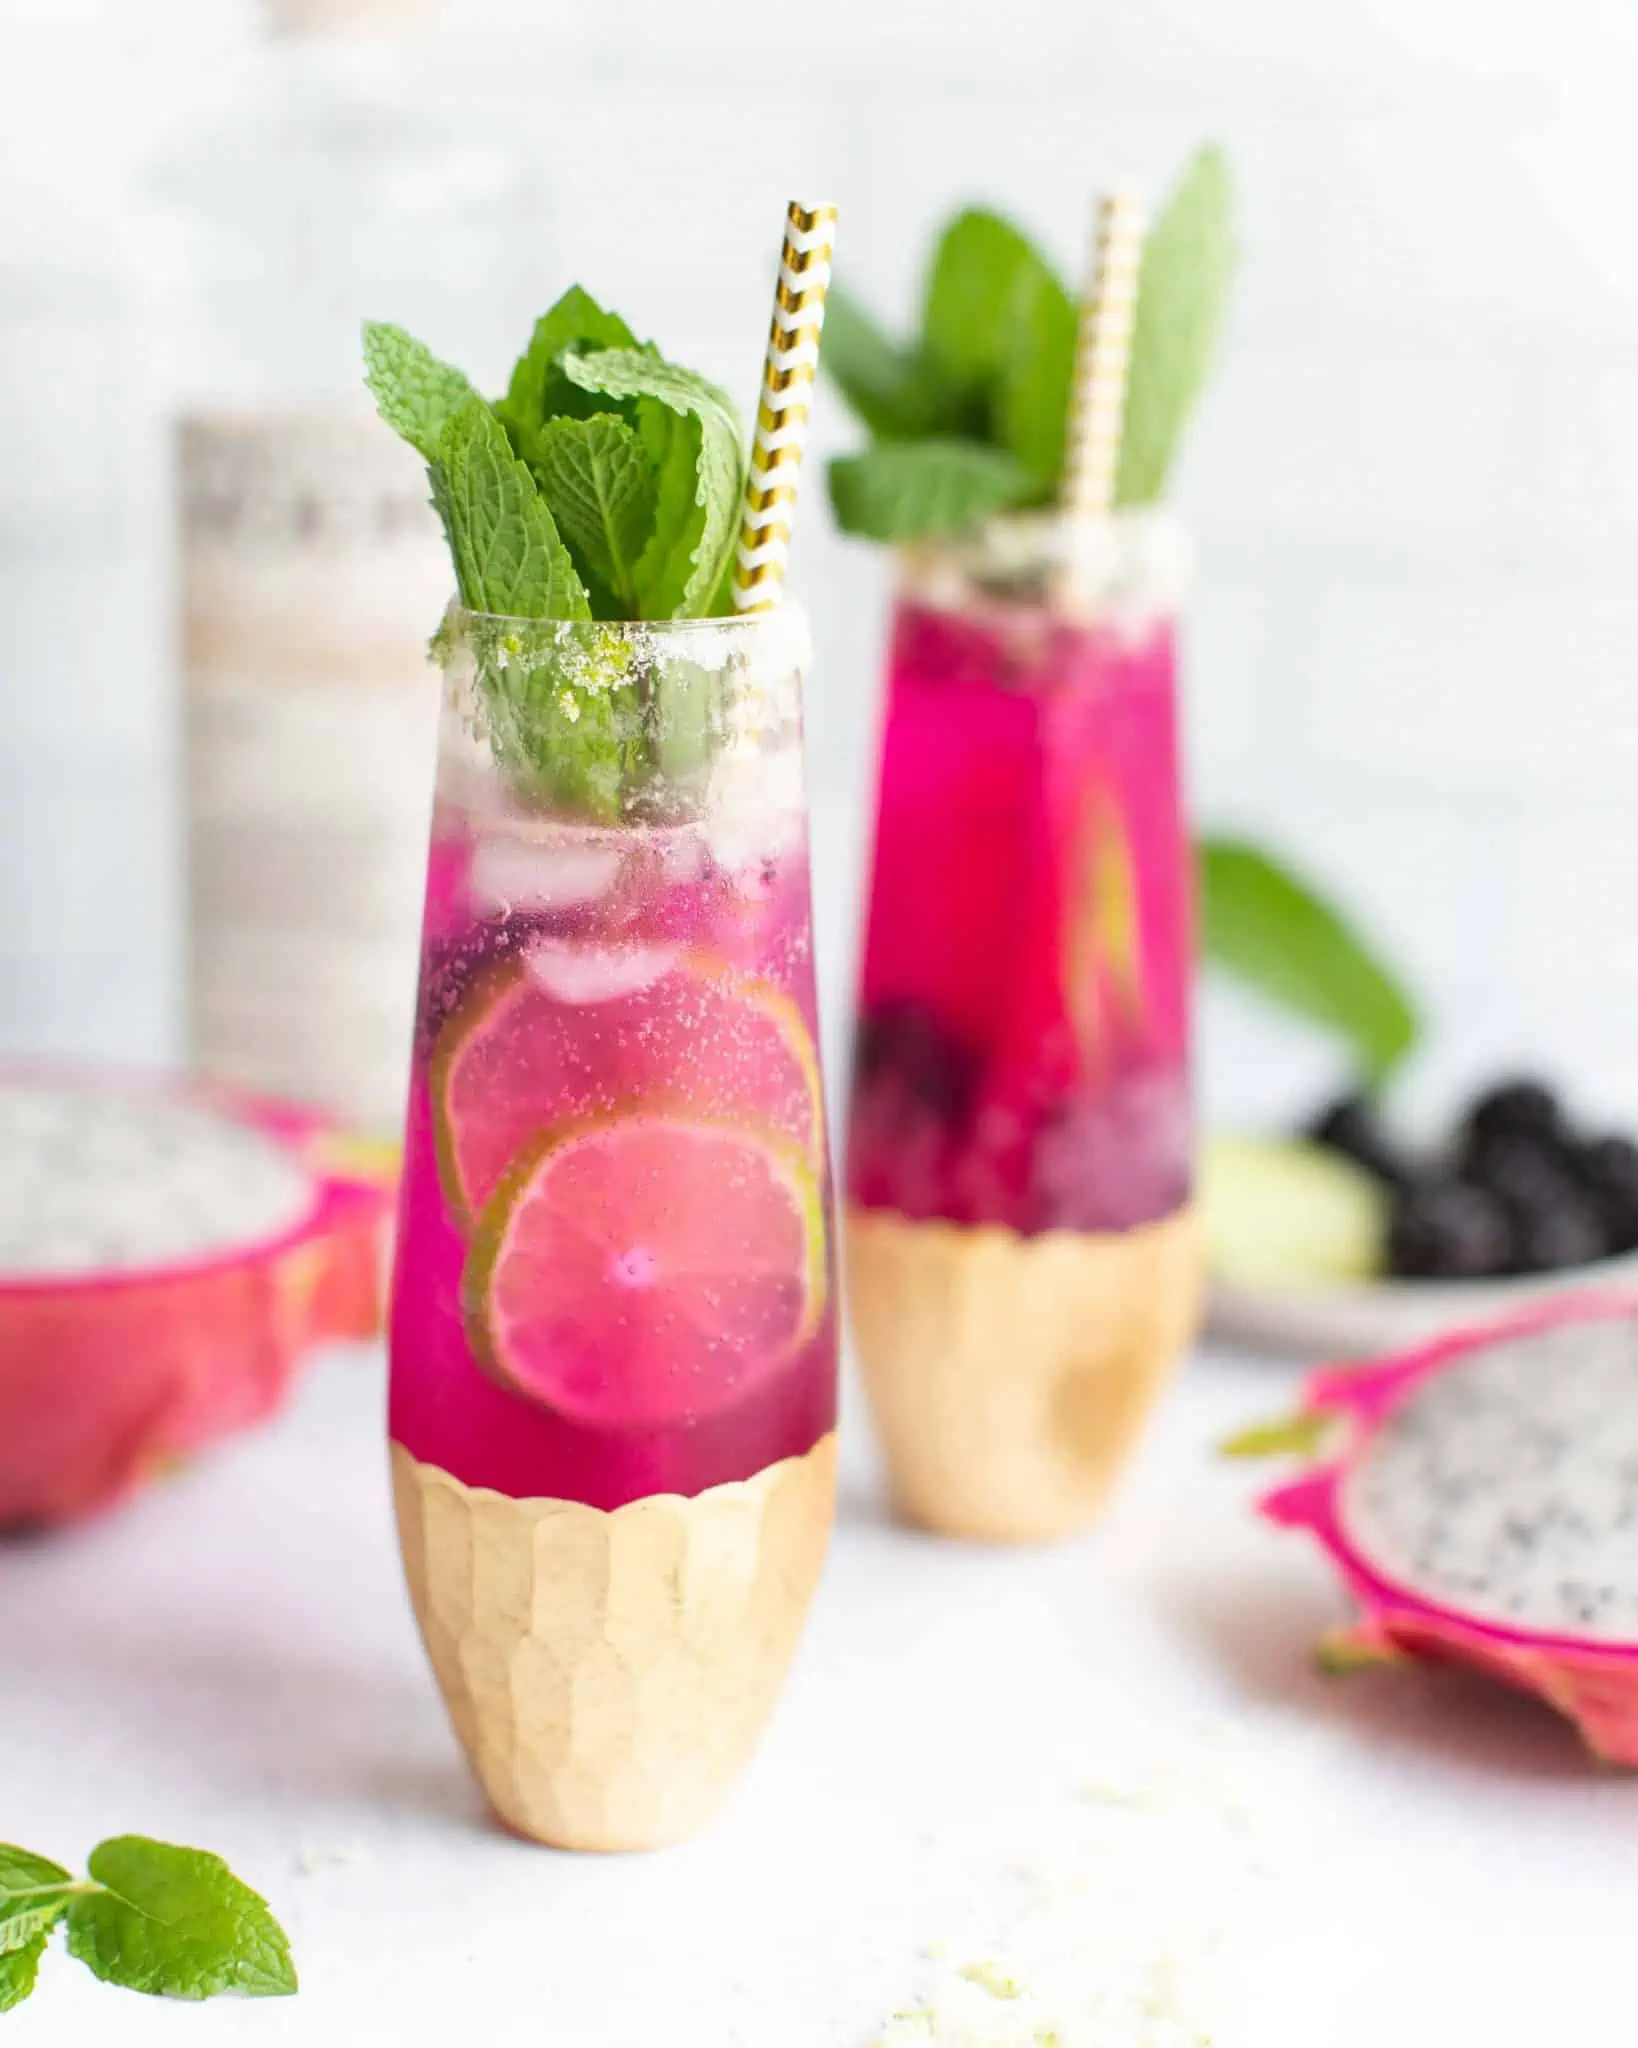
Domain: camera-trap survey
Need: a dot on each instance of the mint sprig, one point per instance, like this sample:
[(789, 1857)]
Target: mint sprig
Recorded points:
[(168, 1921), (990, 370), (605, 483)]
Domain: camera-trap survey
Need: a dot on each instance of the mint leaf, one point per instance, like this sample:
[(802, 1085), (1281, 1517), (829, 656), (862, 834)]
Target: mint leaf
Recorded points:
[(18, 1969), (895, 392), (416, 394), (718, 474), (901, 490), (34, 1893), (601, 484), (539, 390), (1031, 403), (664, 574), (1189, 261), (176, 1923), (984, 275), (509, 557), (1270, 930)]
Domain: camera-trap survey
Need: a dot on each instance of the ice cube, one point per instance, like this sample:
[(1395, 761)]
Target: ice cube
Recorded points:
[(583, 971)]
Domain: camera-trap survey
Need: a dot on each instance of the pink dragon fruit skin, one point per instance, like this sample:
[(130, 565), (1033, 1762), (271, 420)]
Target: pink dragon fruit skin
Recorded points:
[(1593, 1681), (107, 1378)]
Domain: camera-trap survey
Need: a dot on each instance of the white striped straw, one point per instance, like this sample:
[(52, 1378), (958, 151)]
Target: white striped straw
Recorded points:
[(1103, 347), (782, 413)]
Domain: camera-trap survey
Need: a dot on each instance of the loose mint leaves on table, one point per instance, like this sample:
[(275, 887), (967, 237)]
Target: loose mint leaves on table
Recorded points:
[(968, 419), (150, 1916), (605, 485)]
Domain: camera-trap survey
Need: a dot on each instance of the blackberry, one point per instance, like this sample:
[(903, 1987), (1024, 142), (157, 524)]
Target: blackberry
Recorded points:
[(1518, 1108), (1564, 1232), (1349, 1125), (905, 1041), (1522, 1168), (1608, 1169), (1447, 1229)]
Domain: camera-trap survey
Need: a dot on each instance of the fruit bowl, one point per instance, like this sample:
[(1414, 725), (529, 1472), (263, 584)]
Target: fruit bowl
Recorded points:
[(168, 1255), (1345, 1242)]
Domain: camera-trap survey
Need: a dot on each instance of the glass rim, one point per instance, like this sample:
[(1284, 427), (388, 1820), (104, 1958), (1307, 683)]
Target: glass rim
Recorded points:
[(793, 613)]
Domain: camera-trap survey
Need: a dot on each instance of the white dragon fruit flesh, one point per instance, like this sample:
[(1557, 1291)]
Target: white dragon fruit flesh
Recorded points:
[(167, 1256), (1483, 1506)]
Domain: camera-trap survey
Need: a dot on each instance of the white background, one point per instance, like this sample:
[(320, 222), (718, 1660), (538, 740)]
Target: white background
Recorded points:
[(1415, 484)]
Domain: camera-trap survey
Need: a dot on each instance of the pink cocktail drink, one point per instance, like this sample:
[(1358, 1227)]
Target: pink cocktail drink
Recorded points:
[(1022, 1050), (636, 1012), (613, 1328), (1021, 1060)]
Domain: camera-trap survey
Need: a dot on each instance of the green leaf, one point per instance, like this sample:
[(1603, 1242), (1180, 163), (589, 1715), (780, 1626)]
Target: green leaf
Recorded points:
[(1189, 261), (718, 475), (416, 394), (34, 1893), (903, 490), (539, 390), (1032, 394), (895, 392), (176, 1923), (985, 276), (509, 557), (1275, 933), (18, 1969), (664, 574), (601, 484)]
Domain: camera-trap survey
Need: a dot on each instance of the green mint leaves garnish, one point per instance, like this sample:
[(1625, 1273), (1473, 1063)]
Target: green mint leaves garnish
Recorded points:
[(991, 369), (1272, 931), (605, 484), (172, 1922)]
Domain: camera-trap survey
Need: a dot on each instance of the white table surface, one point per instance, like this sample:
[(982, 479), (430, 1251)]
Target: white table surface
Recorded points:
[(231, 1662)]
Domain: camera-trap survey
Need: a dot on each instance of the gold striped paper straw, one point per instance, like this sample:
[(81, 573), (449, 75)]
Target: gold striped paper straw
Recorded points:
[(1103, 348), (782, 412)]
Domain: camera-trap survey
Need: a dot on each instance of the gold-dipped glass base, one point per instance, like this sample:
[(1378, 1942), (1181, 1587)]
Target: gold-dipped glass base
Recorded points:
[(609, 1672), (1010, 1376)]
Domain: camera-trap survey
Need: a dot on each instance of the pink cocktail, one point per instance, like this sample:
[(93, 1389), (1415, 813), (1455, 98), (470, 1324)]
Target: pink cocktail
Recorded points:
[(613, 1329), (1019, 1132)]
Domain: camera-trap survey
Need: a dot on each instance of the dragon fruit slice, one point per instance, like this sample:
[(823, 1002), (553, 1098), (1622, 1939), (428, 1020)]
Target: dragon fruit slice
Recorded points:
[(1483, 1507), (167, 1256)]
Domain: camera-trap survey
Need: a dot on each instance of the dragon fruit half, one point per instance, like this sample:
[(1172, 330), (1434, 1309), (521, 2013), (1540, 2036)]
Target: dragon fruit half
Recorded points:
[(166, 1257), (1483, 1506)]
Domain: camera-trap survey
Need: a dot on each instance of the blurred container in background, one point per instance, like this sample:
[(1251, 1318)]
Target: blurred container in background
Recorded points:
[(311, 565)]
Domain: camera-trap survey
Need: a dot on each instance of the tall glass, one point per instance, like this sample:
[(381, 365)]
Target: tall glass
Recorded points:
[(1022, 1264), (613, 1327)]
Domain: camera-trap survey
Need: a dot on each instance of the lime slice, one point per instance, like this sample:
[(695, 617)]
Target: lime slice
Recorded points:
[(528, 1054), (1280, 1213), (647, 1269)]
